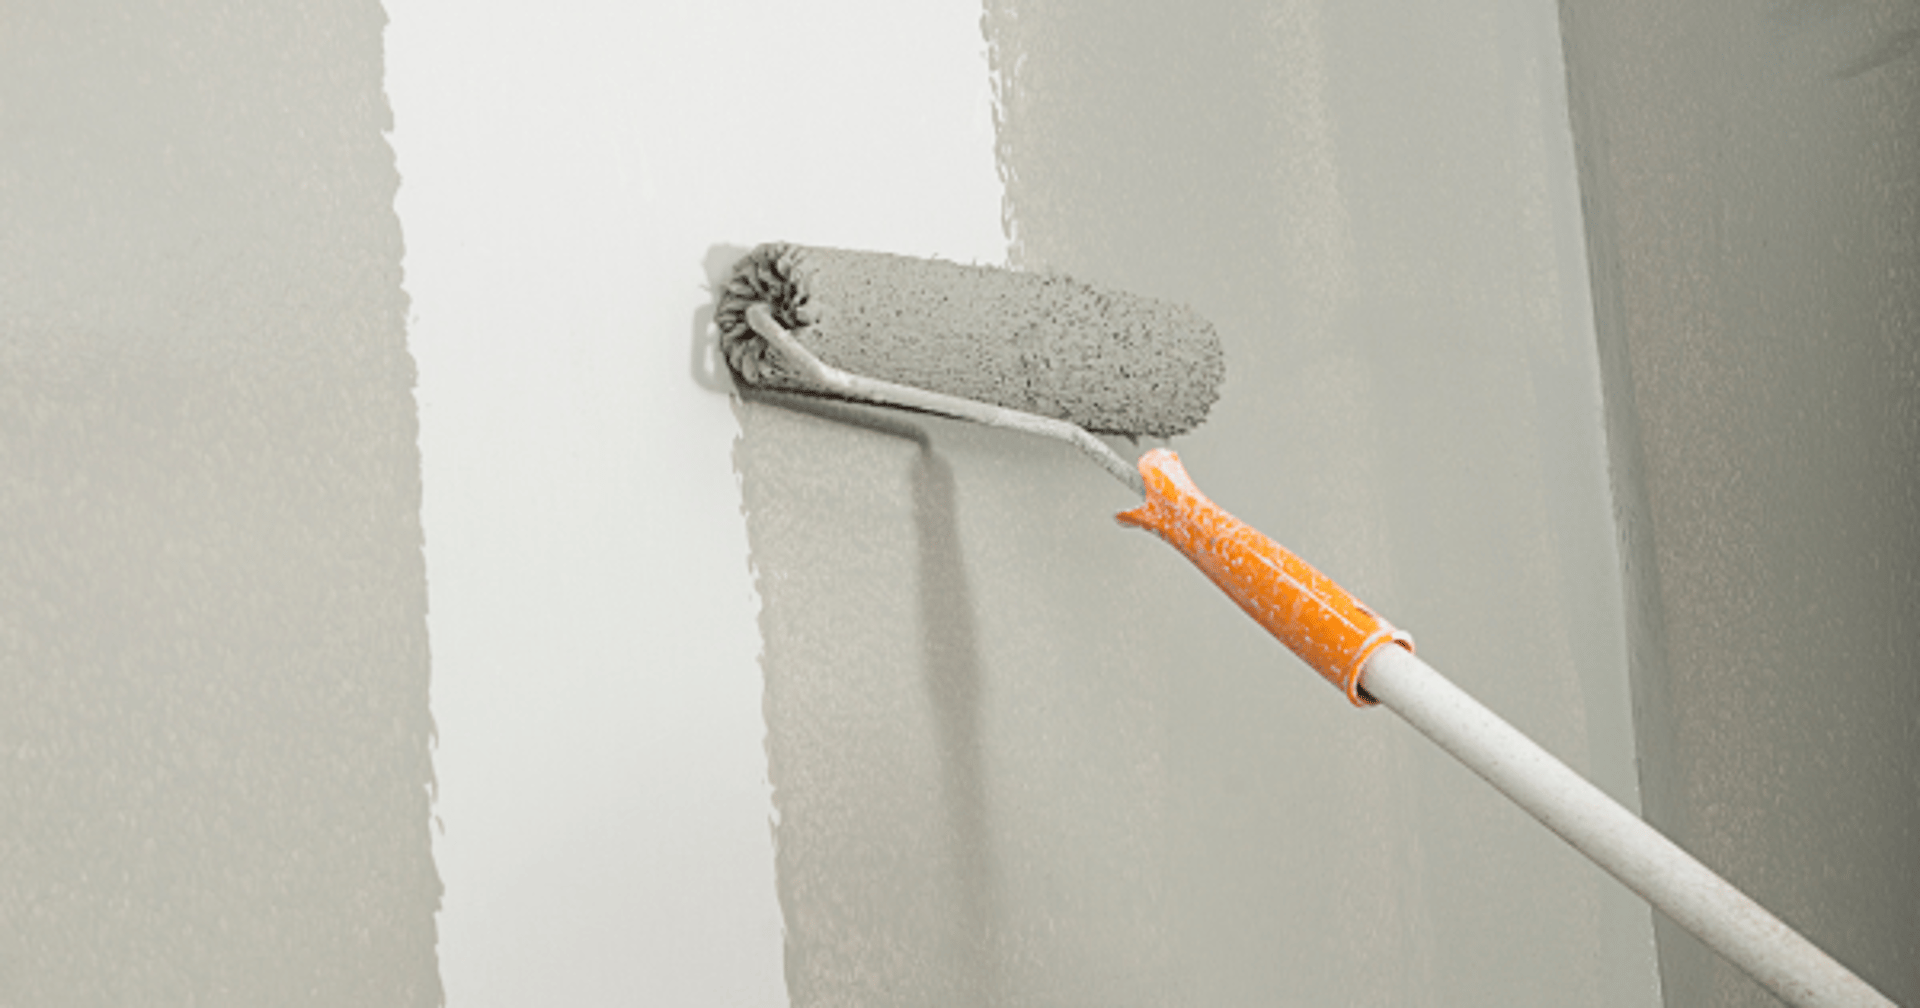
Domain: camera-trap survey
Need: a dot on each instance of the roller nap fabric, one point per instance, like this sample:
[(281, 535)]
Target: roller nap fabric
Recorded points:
[(1109, 361)]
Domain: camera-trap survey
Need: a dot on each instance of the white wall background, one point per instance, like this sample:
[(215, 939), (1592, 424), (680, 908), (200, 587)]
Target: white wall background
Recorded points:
[(603, 817)]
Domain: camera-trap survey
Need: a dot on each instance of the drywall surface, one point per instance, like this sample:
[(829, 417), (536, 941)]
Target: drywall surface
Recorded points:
[(213, 657), (1752, 180), (1024, 756)]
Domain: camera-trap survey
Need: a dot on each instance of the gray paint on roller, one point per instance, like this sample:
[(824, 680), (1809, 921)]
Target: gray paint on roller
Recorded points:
[(1107, 360), (1023, 756), (213, 660)]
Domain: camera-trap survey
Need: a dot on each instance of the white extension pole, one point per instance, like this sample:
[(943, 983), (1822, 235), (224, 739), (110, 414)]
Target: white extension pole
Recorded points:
[(1332, 632), (1615, 839)]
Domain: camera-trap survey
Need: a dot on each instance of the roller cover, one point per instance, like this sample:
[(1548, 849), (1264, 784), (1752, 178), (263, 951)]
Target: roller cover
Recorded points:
[(1109, 361)]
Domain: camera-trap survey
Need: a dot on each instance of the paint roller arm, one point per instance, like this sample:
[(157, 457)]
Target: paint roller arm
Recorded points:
[(1344, 641), (863, 388)]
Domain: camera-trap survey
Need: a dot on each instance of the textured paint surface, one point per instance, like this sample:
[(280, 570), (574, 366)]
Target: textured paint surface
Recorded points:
[(1753, 181), (1024, 756), (1107, 360), (213, 658)]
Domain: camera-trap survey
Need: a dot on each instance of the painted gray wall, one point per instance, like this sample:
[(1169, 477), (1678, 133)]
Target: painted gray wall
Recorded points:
[(213, 660), (1752, 177), (1024, 756)]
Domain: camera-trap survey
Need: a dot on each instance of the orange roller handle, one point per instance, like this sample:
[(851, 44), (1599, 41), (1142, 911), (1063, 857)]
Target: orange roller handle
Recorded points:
[(1315, 618)]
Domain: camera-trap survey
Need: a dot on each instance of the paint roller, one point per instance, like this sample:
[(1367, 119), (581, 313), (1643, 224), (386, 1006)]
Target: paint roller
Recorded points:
[(1049, 355)]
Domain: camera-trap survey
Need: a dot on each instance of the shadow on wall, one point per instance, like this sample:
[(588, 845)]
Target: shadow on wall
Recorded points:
[(954, 681), (1853, 38), (916, 528), (708, 369), (1752, 225)]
